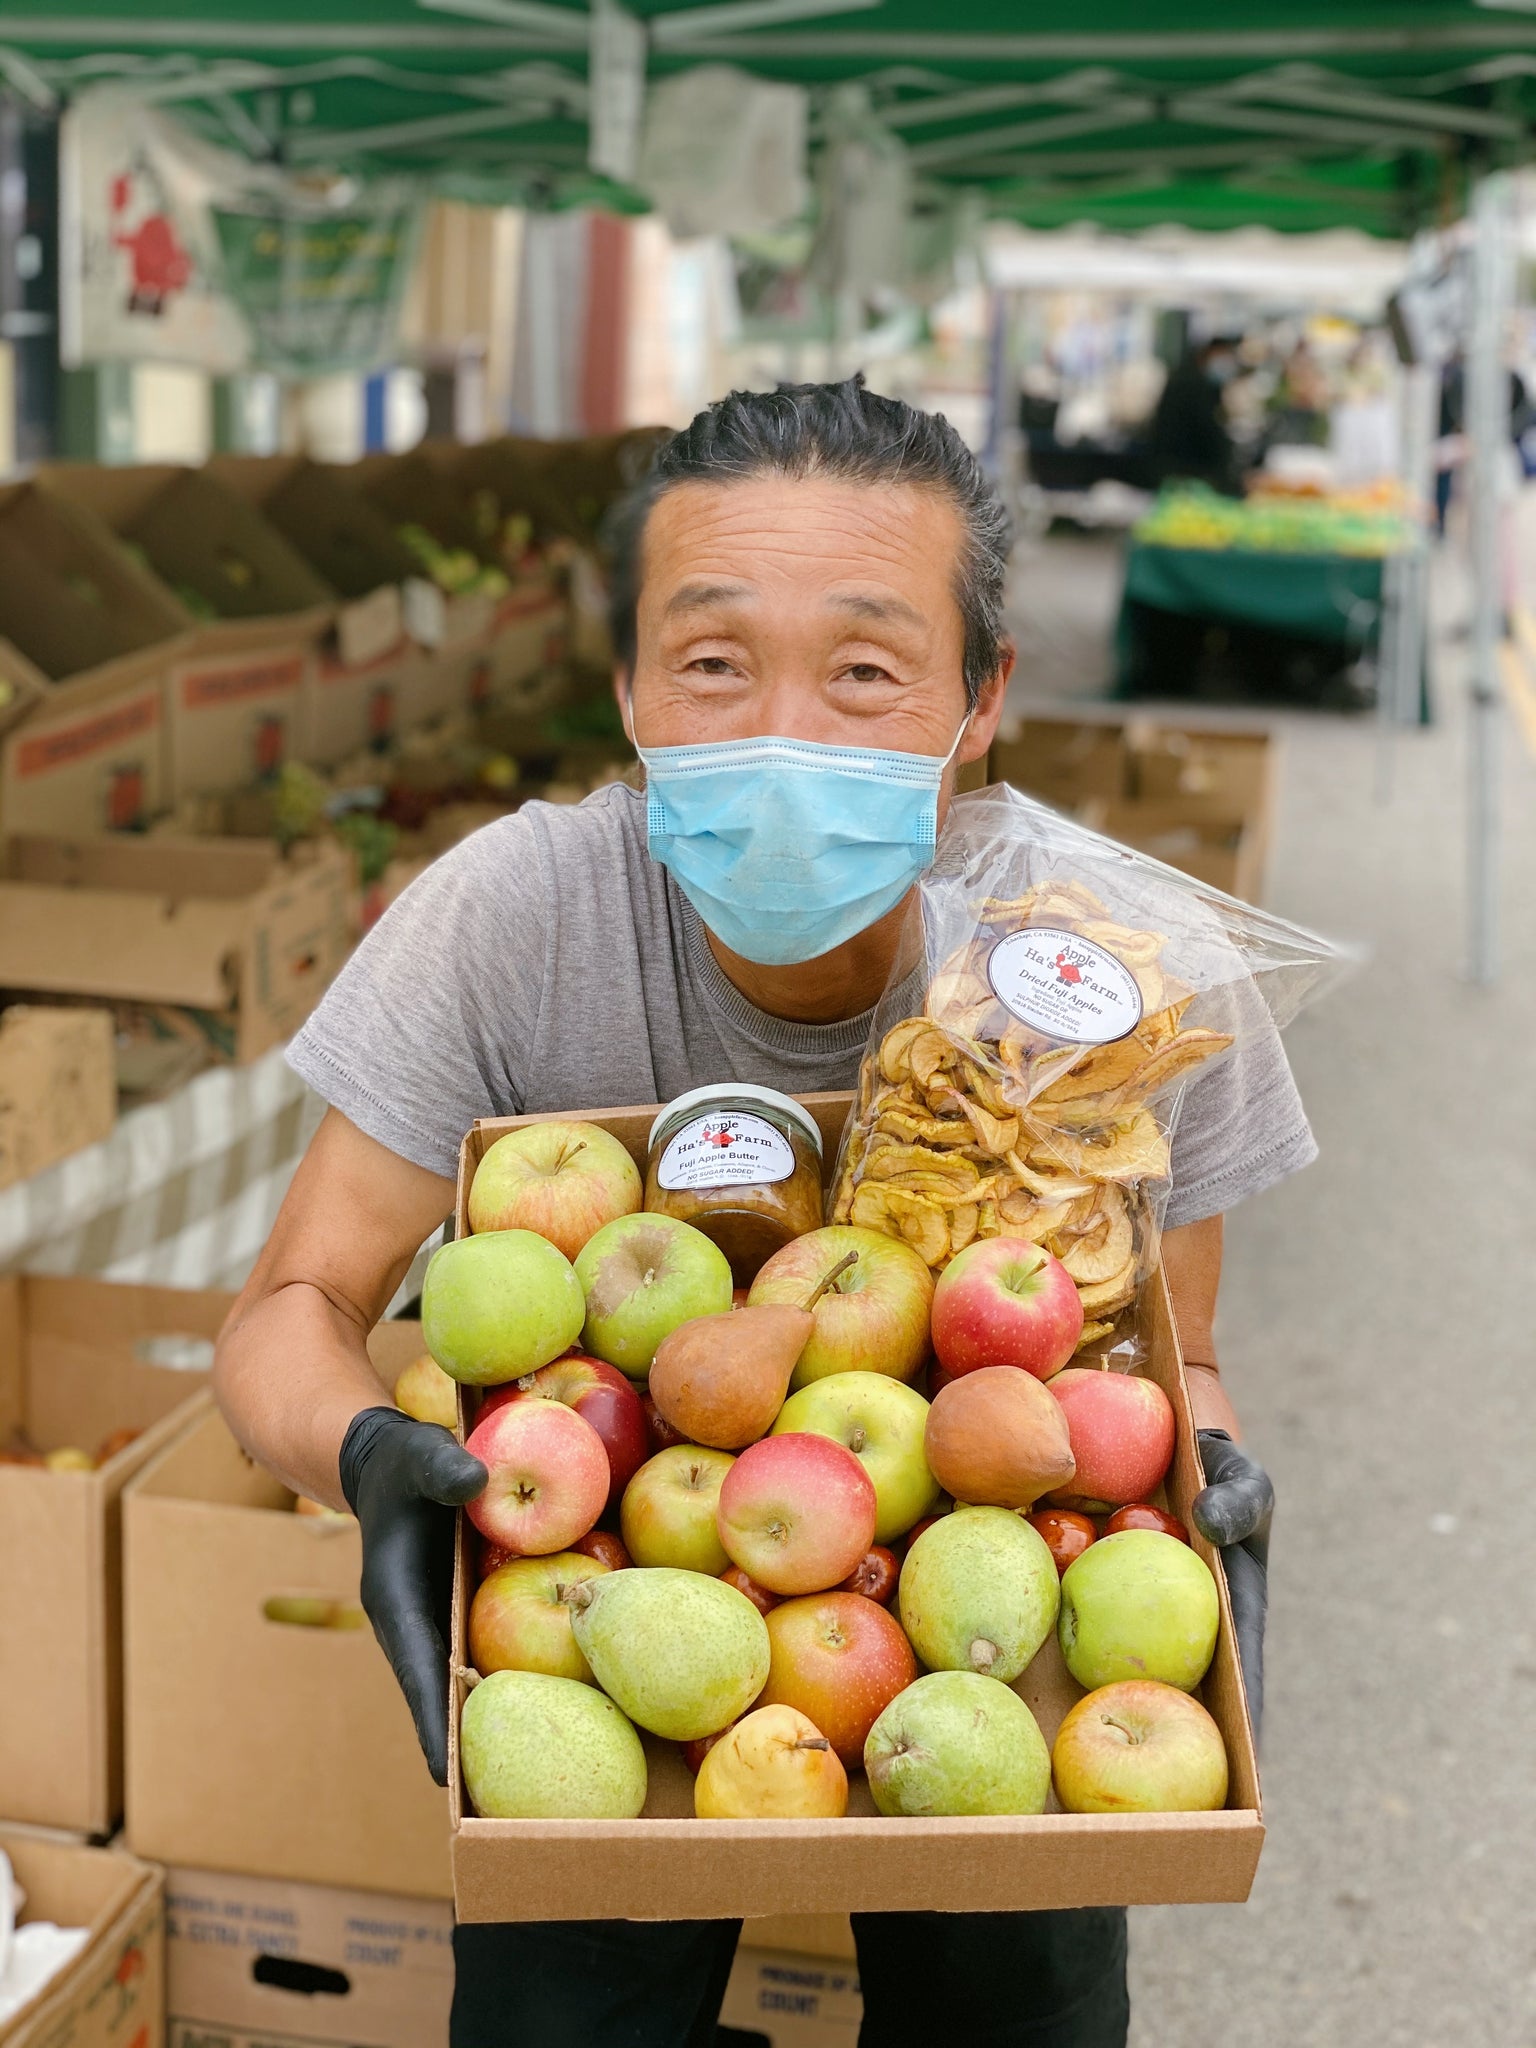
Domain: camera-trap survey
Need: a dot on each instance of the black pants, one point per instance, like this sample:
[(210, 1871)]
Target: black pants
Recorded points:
[(991, 1980)]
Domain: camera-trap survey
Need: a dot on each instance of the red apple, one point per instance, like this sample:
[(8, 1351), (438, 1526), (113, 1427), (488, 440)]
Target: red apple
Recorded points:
[(607, 1548), (946, 1507), (662, 1435), (797, 1512), (548, 1477), (1067, 1534), (563, 1180), (1005, 1301), (874, 1575), (872, 1318), (1141, 1514), (841, 1659), (1121, 1430), (761, 1598), (601, 1395), (494, 1555)]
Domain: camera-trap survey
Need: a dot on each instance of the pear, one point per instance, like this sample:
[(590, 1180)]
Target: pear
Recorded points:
[(957, 1743), (722, 1379), (682, 1654), (979, 1592), (540, 1748), (775, 1764)]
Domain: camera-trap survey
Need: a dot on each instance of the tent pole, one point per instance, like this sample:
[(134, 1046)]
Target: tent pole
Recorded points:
[(1488, 431)]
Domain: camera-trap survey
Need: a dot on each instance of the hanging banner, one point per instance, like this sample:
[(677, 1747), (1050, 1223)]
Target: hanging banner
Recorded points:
[(319, 293), (174, 251), (139, 261)]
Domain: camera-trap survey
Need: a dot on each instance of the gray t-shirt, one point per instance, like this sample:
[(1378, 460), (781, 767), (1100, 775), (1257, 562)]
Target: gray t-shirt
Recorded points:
[(548, 963)]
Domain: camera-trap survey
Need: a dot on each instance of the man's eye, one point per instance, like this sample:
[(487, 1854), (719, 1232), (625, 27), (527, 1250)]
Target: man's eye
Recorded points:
[(712, 665), (866, 672)]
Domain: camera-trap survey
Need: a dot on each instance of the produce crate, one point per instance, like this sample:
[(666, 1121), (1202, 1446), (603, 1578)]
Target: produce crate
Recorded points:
[(668, 1865), (113, 1994), (273, 1742), (79, 1359)]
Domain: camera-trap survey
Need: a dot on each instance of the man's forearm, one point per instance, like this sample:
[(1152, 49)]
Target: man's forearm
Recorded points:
[(292, 1416), (1208, 1399)]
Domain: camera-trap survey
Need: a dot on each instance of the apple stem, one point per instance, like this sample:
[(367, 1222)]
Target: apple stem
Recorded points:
[(848, 1259)]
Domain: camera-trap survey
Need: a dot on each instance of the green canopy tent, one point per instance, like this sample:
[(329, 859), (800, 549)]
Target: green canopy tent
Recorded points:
[(1291, 113)]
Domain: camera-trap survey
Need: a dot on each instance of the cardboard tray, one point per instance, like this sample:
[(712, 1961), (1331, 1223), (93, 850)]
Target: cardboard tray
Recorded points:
[(113, 1994), (667, 1865)]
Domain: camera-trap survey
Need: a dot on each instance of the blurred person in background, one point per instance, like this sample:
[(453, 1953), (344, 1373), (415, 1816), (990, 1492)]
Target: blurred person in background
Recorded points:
[(808, 623), (1189, 439)]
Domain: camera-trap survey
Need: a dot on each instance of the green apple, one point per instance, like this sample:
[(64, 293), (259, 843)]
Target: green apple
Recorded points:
[(496, 1306), (1139, 1747), (668, 1515), (642, 1277), (1138, 1604), (882, 1421), (540, 1748), (957, 1743)]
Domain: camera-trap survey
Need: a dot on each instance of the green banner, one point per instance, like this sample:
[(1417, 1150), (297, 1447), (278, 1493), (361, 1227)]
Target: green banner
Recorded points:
[(319, 293)]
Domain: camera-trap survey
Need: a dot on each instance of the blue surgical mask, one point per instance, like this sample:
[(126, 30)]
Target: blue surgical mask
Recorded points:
[(786, 848)]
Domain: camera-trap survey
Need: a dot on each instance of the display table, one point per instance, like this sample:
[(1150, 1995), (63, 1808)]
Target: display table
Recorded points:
[(1294, 622), (182, 1194)]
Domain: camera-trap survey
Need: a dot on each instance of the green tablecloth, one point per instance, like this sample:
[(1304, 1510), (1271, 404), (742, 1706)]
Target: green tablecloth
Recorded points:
[(1315, 597)]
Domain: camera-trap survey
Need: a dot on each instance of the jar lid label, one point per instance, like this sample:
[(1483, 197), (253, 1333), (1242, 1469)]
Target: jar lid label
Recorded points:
[(726, 1151)]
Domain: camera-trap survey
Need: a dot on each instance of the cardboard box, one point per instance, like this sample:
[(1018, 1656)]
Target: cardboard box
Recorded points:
[(803, 1934), (256, 610), (315, 1774), (224, 926), (86, 644), (1219, 848), (113, 1994), (79, 1359), (782, 1999), (668, 1865), (249, 1959), (1201, 798), (58, 1086), (527, 648)]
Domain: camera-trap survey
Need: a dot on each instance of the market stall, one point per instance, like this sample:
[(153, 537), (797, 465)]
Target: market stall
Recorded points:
[(1272, 597)]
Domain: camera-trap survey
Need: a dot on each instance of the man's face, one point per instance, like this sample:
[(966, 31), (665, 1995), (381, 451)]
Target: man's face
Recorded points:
[(811, 609)]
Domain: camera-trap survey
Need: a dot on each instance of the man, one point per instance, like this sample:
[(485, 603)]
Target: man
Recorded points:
[(824, 567), (1189, 440)]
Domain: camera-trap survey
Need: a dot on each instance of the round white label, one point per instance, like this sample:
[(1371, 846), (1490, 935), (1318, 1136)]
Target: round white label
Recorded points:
[(726, 1152), (1066, 986)]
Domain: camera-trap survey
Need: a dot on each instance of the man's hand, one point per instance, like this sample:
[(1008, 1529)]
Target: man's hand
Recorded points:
[(1233, 1511), (403, 1480)]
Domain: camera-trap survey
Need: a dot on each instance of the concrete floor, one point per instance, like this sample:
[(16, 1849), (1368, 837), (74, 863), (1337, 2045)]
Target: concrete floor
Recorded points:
[(1377, 1339)]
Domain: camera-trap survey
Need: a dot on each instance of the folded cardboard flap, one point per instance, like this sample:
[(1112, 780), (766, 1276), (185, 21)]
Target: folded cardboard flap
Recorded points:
[(336, 529), (207, 541), (58, 1086), (668, 1865)]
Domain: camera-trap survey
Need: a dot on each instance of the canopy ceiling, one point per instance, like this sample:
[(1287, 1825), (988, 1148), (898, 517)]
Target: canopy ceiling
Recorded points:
[(1297, 114)]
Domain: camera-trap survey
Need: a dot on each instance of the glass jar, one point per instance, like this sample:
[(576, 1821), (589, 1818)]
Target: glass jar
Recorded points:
[(743, 1165)]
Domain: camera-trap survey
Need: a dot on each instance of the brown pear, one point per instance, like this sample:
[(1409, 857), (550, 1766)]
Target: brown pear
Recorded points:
[(722, 1379)]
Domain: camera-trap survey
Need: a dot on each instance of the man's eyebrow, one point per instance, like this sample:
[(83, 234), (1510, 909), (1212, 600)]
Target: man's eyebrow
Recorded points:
[(698, 597), (866, 605)]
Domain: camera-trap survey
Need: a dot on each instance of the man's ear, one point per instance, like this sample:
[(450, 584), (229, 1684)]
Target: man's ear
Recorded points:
[(621, 696), (989, 708)]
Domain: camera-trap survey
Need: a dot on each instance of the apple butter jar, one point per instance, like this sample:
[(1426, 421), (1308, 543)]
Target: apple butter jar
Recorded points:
[(741, 1164)]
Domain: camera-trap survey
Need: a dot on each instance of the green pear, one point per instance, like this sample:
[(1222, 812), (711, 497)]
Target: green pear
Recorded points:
[(681, 1653), (957, 1743), (499, 1304), (540, 1748), (979, 1592)]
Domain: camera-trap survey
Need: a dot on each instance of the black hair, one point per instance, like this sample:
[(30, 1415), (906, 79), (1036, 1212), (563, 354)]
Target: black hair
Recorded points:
[(831, 430)]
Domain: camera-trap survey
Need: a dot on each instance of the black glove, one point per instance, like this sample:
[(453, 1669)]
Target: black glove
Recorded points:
[(402, 1480), (1233, 1511)]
